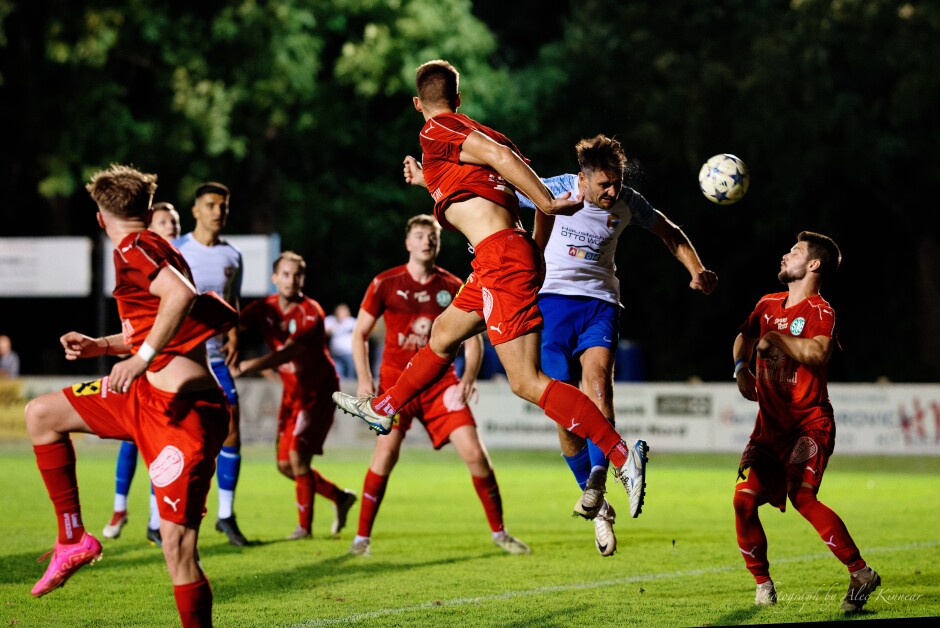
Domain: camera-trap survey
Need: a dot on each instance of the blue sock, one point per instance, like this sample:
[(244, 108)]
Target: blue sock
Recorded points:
[(580, 465), (598, 459), (229, 464), (126, 466)]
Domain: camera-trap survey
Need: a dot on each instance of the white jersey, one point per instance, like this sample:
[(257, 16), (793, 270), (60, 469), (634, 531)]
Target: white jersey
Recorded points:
[(579, 257), (217, 268)]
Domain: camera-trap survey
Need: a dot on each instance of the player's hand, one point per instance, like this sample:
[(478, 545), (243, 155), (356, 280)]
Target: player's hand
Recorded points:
[(764, 344), (747, 384), (414, 173), (237, 369), (564, 205), (230, 349), (705, 281), (469, 391), (78, 345), (125, 372)]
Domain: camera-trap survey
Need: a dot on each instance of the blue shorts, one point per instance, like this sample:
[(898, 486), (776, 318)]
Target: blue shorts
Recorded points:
[(225, 381), (573, 324)]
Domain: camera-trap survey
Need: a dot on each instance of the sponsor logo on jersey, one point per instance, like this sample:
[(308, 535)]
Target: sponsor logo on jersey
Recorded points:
[(422, 297), (781, 323), (86, 388), (443, 298), (796, 327), (586, 253)]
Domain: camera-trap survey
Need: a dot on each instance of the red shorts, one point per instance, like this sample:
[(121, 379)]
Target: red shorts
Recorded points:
[(439, 409), (507, 273), (801, 458), (303, 424), (178, 434)]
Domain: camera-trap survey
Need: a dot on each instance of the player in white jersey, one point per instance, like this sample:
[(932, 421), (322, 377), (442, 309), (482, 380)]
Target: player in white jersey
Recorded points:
[(217, 265), (580, 301)]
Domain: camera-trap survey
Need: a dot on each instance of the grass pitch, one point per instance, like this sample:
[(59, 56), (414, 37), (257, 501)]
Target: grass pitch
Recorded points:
[(434, 564)]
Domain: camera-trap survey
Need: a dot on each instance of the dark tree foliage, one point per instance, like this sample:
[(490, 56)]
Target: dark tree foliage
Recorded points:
[(305, 110)]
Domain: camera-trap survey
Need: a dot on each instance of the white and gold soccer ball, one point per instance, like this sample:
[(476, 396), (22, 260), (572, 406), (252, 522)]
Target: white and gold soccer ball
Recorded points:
[(724, 179)]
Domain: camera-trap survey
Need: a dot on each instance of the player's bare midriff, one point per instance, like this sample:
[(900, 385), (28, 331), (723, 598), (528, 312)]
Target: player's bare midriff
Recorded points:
[(185, 373), (478, 218)]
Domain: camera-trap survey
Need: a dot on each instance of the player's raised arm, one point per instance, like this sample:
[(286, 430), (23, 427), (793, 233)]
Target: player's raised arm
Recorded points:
[(481, 150)]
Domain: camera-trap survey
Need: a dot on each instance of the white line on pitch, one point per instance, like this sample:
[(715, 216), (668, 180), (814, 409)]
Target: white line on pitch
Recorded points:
[(575, 586)]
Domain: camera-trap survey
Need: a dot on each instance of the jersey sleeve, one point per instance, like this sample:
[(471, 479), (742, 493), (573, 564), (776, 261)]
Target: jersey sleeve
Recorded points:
[(642, 213), (822, 325), (373, 301), (443, 136), (557, 185), (750, 328)]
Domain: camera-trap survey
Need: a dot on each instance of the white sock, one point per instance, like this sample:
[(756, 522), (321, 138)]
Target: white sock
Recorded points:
[(359, 539), (120, 503), (226, 498), (154, 513)]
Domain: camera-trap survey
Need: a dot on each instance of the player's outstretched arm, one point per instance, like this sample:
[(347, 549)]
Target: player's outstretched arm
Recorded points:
[(678, 243), (481, 150), (79, 346), (273, 359)]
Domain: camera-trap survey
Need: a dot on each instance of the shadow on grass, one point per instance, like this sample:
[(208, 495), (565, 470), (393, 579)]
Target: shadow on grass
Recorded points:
[(24, 569)]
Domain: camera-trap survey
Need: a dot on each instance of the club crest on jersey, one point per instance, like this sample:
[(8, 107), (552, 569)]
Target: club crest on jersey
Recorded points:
[(86, 388), (292, 326), (443, 298), (796, 327), (613, 221)]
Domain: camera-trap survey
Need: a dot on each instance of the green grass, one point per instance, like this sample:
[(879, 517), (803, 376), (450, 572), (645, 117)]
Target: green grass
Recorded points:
[(433, 563)]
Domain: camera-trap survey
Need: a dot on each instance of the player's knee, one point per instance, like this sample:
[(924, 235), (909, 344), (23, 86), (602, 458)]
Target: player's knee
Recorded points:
[(284, 467), (803, 498), (745, 503), (40, 414)]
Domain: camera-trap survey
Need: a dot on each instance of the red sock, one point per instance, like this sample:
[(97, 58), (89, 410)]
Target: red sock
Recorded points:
[(373, 490), (488, 492), (829, 526), (56, 464), (573, 410), (303, 484), (752, 541), (425, 368), (194, 603), (326, 488)]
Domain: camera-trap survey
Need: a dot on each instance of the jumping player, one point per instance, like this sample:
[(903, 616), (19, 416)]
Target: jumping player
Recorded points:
[(176, 412), (471, 172), (794, 333), (292, 327), (411, 297)]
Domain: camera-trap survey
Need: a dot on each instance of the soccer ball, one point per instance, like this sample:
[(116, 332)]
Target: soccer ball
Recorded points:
[(724, 179)]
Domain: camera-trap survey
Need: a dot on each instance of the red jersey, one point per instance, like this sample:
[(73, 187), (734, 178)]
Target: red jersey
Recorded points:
[(137, 261), (409, 308), (448, 179), (791, 395), (304, 324)]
